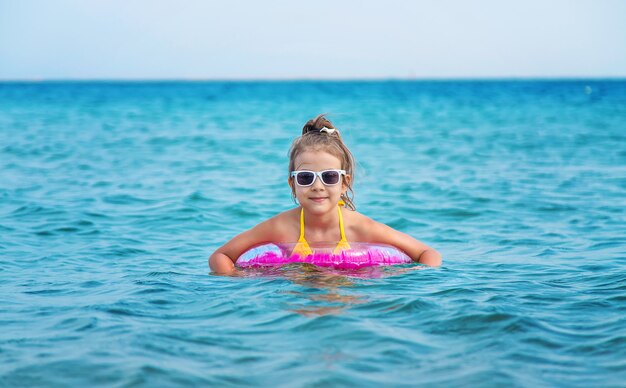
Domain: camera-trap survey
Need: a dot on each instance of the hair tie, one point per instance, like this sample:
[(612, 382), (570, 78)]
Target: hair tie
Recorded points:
[(329, 131)]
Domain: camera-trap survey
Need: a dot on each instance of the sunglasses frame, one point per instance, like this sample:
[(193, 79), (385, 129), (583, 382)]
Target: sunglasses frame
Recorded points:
[(316, 175)]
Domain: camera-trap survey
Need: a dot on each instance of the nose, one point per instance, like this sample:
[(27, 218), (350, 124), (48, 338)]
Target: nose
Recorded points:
[(318, 184)]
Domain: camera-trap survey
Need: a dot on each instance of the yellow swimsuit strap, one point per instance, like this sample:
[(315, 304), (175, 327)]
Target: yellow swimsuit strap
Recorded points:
[(302, 239), (343, 243), (303, 249)]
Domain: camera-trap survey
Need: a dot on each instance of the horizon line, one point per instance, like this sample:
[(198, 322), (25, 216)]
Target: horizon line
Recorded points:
[(310, 79)]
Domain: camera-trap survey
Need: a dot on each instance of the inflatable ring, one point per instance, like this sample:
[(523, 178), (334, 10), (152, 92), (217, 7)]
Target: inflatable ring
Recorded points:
[(359, 255)]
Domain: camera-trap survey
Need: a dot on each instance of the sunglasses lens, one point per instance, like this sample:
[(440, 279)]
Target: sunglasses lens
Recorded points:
[(305, 178), (330, 177)]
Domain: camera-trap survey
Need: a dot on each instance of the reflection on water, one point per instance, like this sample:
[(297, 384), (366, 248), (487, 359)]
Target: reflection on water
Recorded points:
[(327, 296), (324, 292)]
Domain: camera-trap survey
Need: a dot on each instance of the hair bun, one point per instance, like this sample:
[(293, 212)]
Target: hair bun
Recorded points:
[(319, 124)]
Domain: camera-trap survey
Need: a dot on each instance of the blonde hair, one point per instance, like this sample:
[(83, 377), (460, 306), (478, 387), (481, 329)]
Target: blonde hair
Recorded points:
[(319, 134)]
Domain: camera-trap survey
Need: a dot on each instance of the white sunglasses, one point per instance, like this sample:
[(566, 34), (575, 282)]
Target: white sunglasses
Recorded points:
[(328, 177)]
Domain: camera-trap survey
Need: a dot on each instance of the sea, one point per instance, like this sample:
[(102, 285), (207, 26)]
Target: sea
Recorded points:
[(114, 194)]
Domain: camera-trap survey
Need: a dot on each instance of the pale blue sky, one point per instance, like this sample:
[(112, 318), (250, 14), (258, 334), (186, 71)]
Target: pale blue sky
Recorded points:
[(281, 39)]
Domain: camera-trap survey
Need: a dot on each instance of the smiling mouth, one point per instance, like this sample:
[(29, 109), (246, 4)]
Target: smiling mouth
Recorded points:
[(318, 199)]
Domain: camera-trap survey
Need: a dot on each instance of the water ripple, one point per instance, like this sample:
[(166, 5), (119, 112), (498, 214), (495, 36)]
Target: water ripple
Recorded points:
[(114, 194)]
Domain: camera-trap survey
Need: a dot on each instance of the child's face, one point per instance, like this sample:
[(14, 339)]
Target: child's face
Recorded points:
[(318, 197)]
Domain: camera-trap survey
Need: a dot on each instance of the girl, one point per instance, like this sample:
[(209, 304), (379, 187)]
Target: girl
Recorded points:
[(320, 176)]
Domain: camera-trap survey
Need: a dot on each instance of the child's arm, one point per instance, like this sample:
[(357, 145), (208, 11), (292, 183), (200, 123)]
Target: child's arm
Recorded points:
[(418, 251), (222, 261)]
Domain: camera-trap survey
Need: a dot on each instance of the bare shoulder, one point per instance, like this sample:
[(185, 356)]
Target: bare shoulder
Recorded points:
[(278, 228), (282, 226), (372, 231), (364, 229), (358, 226)]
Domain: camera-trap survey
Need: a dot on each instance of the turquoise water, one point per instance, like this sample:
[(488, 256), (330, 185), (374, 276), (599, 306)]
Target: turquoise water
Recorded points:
[(113, 195)]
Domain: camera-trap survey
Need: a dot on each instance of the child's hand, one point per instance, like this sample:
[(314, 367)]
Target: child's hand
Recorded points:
[(221, 264), (431, 258)]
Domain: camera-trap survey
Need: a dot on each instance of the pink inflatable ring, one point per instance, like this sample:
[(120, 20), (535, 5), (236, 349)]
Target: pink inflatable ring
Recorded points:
[(360, 255)]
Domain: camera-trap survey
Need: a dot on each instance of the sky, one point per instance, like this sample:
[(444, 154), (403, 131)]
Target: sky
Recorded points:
[(322, 39)]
